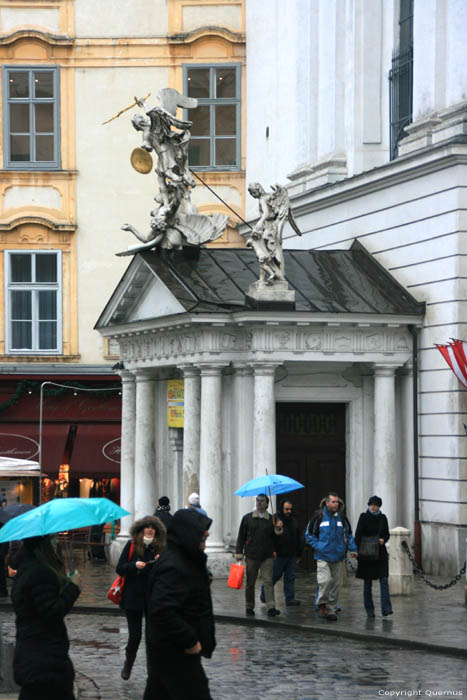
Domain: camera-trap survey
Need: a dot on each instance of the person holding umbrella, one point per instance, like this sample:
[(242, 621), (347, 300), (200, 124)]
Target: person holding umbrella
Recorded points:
[(42, 595)]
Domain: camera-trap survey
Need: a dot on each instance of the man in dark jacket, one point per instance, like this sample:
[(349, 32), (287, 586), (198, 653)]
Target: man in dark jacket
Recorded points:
[(180, 622), (289, 549), (256, 540)]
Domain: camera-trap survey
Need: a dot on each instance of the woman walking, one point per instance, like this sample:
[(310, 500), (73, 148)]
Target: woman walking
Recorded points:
[(42, 595), (374, 524), (146, 543)]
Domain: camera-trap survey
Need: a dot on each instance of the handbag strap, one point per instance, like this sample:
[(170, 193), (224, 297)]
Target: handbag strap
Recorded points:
[(132, 549)]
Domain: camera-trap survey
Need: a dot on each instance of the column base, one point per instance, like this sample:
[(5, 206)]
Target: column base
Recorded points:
[(219, 562)]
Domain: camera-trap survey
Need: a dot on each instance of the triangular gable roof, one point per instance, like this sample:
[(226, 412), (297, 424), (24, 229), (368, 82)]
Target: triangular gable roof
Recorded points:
[(217, 279)]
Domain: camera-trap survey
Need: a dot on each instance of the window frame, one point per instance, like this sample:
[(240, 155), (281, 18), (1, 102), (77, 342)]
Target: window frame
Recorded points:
[(212, 102), (33, 287), (9, 164)]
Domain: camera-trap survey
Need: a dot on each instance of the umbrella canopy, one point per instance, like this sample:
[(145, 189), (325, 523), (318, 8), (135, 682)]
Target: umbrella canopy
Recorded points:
[(271, 483), (61, 514), (13, 511)]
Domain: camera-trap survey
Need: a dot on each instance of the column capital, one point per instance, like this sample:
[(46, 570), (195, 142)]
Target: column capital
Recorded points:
[(189, 370), (126, 376), (242, 369), (265, 369), (143, 375), (212, 369), (386, 370)]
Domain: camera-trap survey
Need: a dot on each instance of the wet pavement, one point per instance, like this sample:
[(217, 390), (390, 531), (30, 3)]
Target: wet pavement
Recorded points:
[(295, 656)]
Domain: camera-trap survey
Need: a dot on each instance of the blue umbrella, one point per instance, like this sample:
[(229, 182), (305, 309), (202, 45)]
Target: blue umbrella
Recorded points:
[(271, 483), (59, 515)]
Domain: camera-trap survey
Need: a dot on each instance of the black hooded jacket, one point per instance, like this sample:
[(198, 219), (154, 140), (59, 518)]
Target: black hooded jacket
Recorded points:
[(179, 597)]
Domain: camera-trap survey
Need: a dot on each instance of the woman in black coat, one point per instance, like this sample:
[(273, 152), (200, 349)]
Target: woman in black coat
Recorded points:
[(147, 541), (374, 523), (180, 624), (42, 595)]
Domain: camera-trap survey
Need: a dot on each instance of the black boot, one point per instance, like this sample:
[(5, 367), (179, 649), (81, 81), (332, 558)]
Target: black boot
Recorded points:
[(128, 665)]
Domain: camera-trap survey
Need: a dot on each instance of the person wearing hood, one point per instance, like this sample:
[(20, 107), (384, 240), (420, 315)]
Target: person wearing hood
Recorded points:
[(180, 621), (374, 523), (289, 549), (42, 595), (163, 511), (330, 535), (147, 540)]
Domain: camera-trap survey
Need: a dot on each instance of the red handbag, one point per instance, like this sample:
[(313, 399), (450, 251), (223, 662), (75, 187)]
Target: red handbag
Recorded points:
[(116, 589), (236, 574)]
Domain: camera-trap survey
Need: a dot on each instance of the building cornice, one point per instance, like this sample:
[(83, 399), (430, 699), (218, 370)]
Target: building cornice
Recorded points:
[(51, 39)]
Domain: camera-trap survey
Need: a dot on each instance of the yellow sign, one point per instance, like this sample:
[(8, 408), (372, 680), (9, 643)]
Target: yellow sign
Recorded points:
[(175, 402)]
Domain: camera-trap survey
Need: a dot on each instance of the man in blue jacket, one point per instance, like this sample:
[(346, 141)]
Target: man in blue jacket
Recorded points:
[(330, 535)]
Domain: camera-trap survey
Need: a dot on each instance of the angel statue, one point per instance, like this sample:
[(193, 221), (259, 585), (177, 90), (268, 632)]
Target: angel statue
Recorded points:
[(266, 237)]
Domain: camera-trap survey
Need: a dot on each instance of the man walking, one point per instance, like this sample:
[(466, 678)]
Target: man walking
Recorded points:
[(330, 535), (256, 540), (289, 549)]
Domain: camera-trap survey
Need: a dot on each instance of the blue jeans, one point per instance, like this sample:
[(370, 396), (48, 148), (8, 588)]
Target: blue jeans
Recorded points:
[(368, 598), (284, 566)]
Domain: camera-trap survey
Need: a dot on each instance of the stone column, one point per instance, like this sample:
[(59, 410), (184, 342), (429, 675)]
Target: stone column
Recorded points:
[(176, 476), (191, 431), (385, 481), (264, 449), (211, 487), (242, 440), (400, 568), (145, 482), (407, 514), (127, 452)]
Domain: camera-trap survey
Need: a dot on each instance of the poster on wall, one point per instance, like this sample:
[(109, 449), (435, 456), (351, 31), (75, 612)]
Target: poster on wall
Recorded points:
[(9, 489), (175, 402)]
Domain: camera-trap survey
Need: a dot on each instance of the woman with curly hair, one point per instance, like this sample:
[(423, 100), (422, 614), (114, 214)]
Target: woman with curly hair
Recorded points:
[(147, 540)]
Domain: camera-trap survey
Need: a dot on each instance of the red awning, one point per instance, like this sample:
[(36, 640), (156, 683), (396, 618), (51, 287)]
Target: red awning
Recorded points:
[(21, 441), (96, 450)]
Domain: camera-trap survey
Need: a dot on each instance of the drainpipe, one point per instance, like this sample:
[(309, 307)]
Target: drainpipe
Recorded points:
[(417, 535)]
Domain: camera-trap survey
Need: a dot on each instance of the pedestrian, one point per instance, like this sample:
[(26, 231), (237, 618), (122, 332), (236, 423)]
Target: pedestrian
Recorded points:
[(256, 540), (180, 622), (163, 511), (289, 549), (147, 540), (3, 554), (374, 523), (194, 504), (42, 595), (330, 535)]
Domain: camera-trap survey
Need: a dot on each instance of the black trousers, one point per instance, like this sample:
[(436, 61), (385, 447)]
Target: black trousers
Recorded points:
[(46, 691), (134, 620), (177, 677)]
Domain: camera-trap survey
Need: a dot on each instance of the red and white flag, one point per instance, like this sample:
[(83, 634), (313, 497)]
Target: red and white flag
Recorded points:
[(455, 354)]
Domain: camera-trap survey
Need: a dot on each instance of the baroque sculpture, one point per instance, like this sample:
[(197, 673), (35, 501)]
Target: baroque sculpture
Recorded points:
[(175, 221), (265, 238)]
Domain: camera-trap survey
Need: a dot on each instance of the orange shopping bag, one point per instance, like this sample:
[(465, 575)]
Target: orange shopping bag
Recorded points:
[(236, 575)]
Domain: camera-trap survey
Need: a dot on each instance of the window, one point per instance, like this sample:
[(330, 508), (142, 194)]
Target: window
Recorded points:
[(401, 79), (215, 134), (33, 301), (31, 108)]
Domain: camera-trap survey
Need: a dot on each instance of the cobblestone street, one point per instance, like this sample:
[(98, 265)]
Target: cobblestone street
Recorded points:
[(254, 662)]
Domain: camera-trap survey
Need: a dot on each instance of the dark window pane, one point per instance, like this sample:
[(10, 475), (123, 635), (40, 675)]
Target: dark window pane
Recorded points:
[(47, 335), (21, 308), (200, 118), (226, 120), (44, 116), (21, 335), (44, 84), (199, 152), (47, 305), (44, 148), (19, 148), (19, 119), (226, 152), (20, 267), (18, 83), (225, 82), (46, 267), (198, 82)]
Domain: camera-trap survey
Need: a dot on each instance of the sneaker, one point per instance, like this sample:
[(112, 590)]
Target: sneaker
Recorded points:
[(322, 610), (293, 602), (331, 616), (250, 611), (273, 611)]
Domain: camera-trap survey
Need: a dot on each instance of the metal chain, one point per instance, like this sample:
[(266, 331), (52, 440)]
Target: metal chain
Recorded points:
[(420, 573)]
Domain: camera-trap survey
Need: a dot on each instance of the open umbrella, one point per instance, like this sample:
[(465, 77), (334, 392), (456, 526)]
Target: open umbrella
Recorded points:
[(13, 511), (59, 515), (271, 483)]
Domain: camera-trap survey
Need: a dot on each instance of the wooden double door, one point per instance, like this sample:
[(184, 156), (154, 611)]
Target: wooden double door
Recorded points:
[(310, 447)]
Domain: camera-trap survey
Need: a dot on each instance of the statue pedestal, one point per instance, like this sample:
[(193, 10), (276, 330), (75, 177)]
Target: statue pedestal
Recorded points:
[(264, 295)]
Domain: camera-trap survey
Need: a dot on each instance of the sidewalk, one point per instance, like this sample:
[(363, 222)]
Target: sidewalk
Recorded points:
[(429, 620)]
